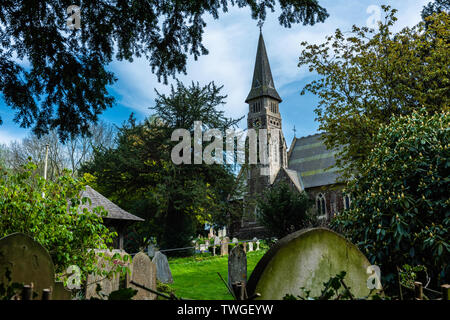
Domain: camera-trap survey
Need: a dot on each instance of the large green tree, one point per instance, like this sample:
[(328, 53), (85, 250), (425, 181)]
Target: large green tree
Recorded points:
[(282, 210), (49, 212), (400, 209), (366, 76), (138, 174), (62, 82)]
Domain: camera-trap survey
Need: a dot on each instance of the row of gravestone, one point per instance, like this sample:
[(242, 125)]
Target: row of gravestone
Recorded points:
[(144, 273), (224, 242), (27, 262)]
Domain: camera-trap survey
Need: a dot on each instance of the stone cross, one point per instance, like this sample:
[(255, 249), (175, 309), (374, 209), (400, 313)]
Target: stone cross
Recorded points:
[(162, 268), (237, 266), (143, 272)]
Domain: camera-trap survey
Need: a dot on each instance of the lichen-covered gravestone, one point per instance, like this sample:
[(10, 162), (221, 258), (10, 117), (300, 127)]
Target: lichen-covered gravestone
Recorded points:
[(163, 272), (107, 285), (308, 258), (216, 243), (224, 246), (250, 246), (28, 263), (237, 266), (143, 272)]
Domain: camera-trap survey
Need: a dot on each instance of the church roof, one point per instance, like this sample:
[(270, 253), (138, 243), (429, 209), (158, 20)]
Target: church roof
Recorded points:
[(314, 163), (262, 84), (114, 211)]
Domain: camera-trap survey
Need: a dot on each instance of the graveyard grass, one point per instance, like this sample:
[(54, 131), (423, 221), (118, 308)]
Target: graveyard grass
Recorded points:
[(196, 277)]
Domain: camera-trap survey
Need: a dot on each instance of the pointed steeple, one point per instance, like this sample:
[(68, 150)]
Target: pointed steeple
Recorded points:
[(262, 84)]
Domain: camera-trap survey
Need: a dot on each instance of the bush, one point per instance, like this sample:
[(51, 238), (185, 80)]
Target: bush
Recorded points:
[(283, 211), (48, 212), (400, 213)]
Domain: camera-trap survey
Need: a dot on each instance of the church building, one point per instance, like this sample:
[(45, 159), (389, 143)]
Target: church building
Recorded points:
[(307, 165)]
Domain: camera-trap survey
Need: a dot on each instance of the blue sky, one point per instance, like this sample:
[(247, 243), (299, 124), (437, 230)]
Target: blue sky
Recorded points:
[(232, 41)]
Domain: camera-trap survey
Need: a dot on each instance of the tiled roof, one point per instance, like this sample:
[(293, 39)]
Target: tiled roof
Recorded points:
[(114, 211), (314, 163)]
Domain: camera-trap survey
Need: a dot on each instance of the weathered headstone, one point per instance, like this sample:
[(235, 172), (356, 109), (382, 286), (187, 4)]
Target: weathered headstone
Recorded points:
[(237, 266), (306, 259), (151, 249), (29, 262), (163, 273), (211, 233), (257, 245), (235, 241), (107, 285), (143, 272), (224, 246), (250, 246)]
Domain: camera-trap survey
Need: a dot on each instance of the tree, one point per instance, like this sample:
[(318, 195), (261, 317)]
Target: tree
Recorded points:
[(175, 200), (282, 210), (70, 155), (436, 6), (65, 85), (48, 211), (368, 76), (399, 213)]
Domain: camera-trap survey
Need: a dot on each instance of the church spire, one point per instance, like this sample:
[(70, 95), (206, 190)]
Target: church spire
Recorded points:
[(262, 84)]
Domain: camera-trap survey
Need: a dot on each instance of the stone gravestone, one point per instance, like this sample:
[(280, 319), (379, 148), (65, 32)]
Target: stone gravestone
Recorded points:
[(224, 246), (306, 259), (29, 262), (237, 266), (244, 246), (163, 273), (107, 285), (257, 245), (151, 250), (235, 241), (143, 271), (211, 233), (250, 246)]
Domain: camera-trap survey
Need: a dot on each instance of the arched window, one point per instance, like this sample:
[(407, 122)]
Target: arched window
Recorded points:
[(321, 206), (347, 201)]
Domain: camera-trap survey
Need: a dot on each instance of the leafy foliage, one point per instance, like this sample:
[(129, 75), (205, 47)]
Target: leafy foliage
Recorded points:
[(334, 289), (65, 84), (282, 210), (139, 175), (367, 76), (48, 212), (400, 212)]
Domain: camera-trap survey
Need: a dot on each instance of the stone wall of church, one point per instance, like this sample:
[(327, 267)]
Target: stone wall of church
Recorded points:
[(334, 198)]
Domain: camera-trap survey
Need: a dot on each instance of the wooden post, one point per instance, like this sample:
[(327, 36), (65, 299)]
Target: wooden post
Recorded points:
[(46, 294), (27, 292), (418, 290), (445, 292)]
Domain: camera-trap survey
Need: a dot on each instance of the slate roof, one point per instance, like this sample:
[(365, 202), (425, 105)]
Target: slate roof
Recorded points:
[(114, 211), (262, 84), (312, 160)]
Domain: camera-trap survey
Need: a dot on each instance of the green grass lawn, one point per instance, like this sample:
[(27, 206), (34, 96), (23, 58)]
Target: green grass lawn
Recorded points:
[(196, 277)]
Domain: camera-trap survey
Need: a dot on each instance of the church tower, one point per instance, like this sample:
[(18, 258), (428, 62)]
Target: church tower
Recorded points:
[(264, 113)]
